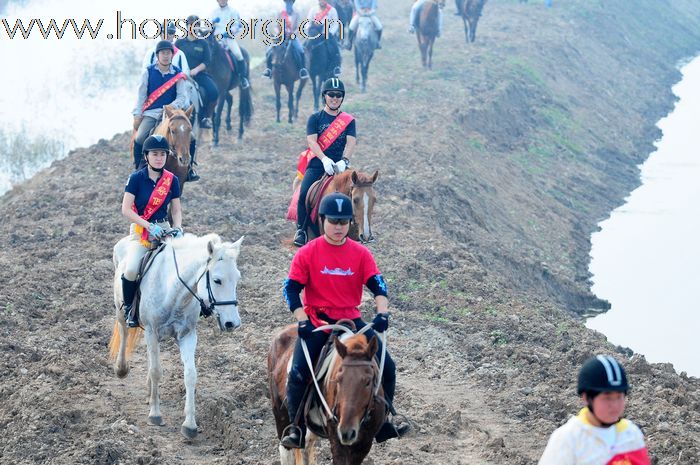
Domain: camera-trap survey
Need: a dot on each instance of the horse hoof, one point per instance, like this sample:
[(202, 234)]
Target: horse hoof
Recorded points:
[(188, 433), (121, 372), (156, 421)]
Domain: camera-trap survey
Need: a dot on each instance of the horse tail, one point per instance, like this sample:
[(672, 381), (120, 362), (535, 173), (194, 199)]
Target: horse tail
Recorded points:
[(133, 337)]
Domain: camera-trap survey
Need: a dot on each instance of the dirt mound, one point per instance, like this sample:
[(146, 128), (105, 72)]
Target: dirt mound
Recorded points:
[(494, 169)]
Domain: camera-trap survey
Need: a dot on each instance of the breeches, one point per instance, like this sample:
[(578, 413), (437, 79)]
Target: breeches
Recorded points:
[(232, 45), (136, 251), (145, 128)]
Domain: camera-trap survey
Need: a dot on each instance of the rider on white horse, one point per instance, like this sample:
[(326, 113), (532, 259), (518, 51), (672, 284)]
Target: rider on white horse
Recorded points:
[(147, 195), (225, 17), (365, 8)]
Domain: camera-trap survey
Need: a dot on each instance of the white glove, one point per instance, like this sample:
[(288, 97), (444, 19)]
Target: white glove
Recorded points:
[(328, 166), (341, 166)]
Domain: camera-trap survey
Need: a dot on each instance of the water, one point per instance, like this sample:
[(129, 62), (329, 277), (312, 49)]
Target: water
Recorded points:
[(59, 94), (646, 258)]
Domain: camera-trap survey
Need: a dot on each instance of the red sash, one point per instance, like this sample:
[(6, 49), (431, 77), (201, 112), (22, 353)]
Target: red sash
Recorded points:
[(325, 140), (154, 203), (635, 457), (322, 14), (156, 94), (287, 23)]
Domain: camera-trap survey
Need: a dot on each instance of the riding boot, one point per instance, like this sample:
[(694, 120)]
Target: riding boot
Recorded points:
[(192, 175), (294, 434), (379, 39), (128, 293), (300, 238), (300, 62), (242, 70), (389, 431), (138, 156), (268, 61)]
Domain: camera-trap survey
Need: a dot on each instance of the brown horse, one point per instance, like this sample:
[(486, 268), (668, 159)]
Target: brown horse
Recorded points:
[(349, 388), (428, 29), (285, 73), (359, 187), (471, 12), (177, 129)]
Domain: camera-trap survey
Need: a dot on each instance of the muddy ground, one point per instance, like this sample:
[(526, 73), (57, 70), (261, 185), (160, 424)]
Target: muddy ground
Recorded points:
[(494, 169)]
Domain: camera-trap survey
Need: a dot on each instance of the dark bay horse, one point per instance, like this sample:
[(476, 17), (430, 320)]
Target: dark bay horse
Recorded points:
[(351, 388), (226, 79), (471, 12), (359, 187), (320, 61), (365, 44), (428, 29), (285, 73), (345, 9), (177, 129)]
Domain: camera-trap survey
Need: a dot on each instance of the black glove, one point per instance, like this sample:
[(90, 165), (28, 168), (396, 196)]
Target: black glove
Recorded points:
[(305, 329), (381, 322)]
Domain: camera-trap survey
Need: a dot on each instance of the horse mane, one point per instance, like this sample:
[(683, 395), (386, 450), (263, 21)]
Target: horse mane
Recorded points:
[(343, 182)]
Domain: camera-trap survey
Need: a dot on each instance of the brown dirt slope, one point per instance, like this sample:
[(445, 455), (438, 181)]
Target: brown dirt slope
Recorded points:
[(494, 169)]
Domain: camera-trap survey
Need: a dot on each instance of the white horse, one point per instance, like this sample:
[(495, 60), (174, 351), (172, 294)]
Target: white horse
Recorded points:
[(191, 274)]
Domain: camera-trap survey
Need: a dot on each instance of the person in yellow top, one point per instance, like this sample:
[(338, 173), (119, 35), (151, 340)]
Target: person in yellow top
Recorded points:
[(598, 435)]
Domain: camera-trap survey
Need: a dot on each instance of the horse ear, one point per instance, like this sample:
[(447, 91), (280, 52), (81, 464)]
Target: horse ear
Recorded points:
[(354, 177), (210, 247), (189, 111), (236, 246), (340, 347), (372, 347), (375, 176), (168, 110)]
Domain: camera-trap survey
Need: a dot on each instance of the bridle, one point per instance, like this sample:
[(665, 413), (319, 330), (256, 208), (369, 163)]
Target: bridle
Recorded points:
[(374, 398), (205, 310)]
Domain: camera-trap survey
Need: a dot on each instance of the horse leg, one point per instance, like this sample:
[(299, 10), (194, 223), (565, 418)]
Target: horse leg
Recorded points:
[(466, 27), (290, 102), (229, 103), (472, 29), (217, 120), (187, 345), (309, 453), (357, 67), (155, 373), (121, 366), (430, 53), (278, 100)]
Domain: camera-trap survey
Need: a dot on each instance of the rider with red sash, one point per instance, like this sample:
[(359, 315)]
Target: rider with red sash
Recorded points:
[(598, 435), (161, 84), (322, 23), (147, 195), (330, 134), (291, 19), (333, 270)]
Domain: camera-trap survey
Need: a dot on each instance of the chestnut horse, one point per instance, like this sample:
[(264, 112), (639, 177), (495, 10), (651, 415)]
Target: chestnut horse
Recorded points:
[(471, 12), (351, 387), (428, 29), (359, 187), (177, 129)]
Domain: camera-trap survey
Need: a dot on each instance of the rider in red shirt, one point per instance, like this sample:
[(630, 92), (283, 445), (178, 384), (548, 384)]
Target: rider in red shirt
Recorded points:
[(332, 270)]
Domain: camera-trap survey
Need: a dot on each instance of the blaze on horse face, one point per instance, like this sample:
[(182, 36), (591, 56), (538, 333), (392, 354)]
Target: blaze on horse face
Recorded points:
[(223, 279), (355, 380), (363, 199), (179, 131)]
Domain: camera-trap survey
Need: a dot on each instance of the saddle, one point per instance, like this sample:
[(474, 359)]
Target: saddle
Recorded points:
[(146, 261), (313, 197)]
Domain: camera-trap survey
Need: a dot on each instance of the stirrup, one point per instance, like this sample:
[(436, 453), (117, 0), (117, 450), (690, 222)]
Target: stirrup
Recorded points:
[(337, 71), (192, 176), (300, 238), (244, 82), (267, 73), (303, 73), (131, 322), (293, 437)]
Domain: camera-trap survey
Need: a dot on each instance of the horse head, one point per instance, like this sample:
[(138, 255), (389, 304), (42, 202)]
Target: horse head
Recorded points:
[(218, 287), (355, 379), (363, 198), (177, 129)]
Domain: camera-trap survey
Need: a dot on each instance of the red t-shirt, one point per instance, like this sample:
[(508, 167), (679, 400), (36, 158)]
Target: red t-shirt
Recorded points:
[(333, 277)]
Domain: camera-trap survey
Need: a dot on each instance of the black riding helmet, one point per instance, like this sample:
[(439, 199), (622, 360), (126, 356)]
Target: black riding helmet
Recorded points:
[(336, 206), (155, 142), (333, 84), (165, 45), (170, 29), (602, 374)]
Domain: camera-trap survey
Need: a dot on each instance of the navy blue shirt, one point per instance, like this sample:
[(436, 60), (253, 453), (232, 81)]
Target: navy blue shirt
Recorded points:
[(142, 187), (318, 122)]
